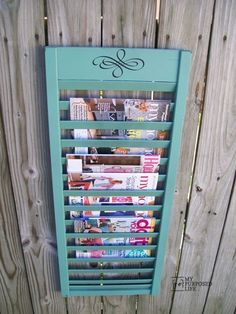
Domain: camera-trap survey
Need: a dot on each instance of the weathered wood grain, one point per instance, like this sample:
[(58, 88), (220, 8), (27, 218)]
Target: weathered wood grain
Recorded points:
[(23, 107), (129, 23), (215, 165), (14, 289), (122, 26), (221, 297), (184, 25), (84, 305), (119, 304), (76, 23)]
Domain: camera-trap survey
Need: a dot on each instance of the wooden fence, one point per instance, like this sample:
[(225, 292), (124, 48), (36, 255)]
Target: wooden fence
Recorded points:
[(203, 224)]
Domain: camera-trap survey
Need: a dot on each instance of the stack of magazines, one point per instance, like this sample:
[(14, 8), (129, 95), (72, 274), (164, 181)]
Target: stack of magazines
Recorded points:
[(115, 168)]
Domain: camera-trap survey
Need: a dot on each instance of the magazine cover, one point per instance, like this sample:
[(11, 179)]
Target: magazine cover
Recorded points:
[(114, 181), (108, 109), (112, 241), (113, 253), (146, 110), (110, 213), (111, 200), (111, 164), (119, 151), (96, 109), (120, 134), (114, 224)]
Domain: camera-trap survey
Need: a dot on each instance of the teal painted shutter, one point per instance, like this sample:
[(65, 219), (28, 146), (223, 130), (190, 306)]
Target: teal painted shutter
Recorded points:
[(73, 68)]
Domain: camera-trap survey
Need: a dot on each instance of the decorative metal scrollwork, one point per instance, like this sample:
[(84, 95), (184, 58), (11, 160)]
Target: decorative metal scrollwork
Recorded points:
[(119, 64)]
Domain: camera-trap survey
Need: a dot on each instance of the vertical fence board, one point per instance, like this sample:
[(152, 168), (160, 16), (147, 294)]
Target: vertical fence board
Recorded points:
[(129, 23), (221, 298), (14, 289), (124, 26), (215, 165), (25, 123), (119, 304), (76, 23), (184, 25)]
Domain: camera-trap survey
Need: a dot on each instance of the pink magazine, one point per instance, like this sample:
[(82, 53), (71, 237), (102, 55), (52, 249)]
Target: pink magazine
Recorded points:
[(114, 225)]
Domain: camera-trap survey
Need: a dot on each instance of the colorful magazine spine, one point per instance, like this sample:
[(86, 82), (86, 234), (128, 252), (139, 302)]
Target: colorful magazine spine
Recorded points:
[(120, 151), (113, 241), (107, 109), (111, 164), (114, 202), (105, 213), (114, 225), (114, 181), (113, 253), (118, 110), (111, 200)]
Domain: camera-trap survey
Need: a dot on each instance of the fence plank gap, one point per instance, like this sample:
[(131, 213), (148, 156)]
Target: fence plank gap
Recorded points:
[(214, 172)]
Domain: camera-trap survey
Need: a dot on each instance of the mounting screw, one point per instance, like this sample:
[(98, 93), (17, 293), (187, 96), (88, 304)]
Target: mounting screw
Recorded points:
[(198, 188)]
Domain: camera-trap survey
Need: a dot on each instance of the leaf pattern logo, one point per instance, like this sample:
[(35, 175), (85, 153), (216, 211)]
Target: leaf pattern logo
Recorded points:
[(118, 64)]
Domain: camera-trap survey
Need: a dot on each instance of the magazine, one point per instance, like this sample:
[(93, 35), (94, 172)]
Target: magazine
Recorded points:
[(111, 275), (120, 151), (96, 109), (111, 200), (113, 253), (112, 241), (111, 164), (108, 109), (114, 224), (147, 110), (110, 213), (113, 181)]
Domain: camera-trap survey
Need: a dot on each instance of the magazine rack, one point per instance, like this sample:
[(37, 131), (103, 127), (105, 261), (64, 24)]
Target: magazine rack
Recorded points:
[(116, 69)]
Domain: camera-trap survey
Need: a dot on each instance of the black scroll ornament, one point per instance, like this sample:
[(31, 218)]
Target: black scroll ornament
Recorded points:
[(119, 64)]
